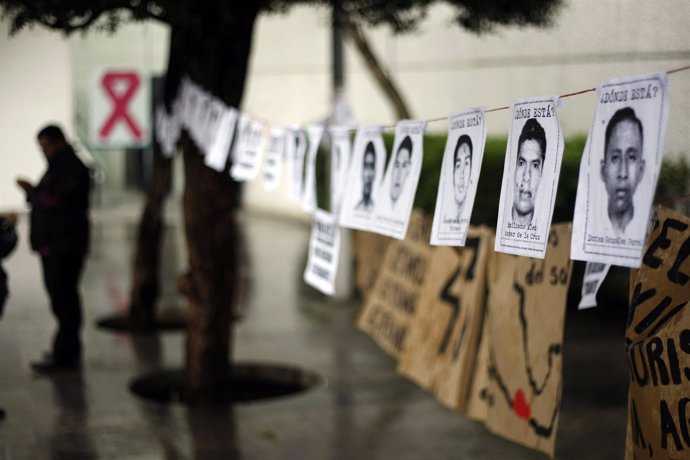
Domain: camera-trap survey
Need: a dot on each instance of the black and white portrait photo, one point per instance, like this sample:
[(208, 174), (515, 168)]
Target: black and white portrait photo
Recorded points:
[(314, 134), (529, 168), (366, 203), (363, 178), (619, 170), (274, 159), (530, 177), (340, 160), (462, 160), (622, 167), (250, 151), (394, 200), (295, 146)]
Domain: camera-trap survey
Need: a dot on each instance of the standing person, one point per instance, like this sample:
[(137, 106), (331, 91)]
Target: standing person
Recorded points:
[(8, 240), (60, 235)]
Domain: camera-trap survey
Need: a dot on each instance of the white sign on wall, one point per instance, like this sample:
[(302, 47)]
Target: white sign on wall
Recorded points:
[(120, 108)]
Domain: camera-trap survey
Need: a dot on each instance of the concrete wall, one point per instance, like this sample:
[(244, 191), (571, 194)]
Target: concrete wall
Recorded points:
[(440, 68), (35, 88)]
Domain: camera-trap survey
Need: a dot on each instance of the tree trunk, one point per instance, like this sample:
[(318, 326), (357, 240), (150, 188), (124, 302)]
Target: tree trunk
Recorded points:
[(146, 269), (382, 77), (216, 56)]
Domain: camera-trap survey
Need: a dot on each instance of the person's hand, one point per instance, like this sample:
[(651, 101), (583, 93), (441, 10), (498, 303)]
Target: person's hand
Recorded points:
[(25, 185)]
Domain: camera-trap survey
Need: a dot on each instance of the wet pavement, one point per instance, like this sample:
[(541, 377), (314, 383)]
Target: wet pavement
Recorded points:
[(361, 409)]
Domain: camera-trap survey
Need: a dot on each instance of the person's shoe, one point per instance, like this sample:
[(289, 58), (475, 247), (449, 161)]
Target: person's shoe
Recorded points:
[(3, 414), (51, 366)]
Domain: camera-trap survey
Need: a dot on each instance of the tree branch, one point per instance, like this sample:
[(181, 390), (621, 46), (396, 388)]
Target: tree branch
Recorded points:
[(382, 77)]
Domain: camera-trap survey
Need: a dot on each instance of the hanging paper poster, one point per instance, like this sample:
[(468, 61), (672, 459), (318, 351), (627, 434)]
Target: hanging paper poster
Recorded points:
[(211, 124), (527, 300), (364, 177), (295, 146), (197, 127), (250, 150), (395, 197), (189, 102), (391, 305), (274, 159), (657, 343), (619, 170), (314, 133), (530, 177), (324, 248), (595, 273), (462, 161), (167, 131), (340, 160), (219, 150), (442, 339)]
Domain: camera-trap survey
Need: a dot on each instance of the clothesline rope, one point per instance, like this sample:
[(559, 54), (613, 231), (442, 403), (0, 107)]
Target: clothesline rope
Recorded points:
[(506, 107)]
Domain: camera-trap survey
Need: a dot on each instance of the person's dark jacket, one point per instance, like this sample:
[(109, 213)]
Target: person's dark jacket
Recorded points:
[(59, 207), (8, 240)]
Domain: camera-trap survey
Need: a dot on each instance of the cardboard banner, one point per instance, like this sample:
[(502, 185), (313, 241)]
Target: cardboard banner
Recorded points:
[(595, 274), (391, 305), (324, 249), (479, 396), (657, 343), (395, 197), (369, 250), (295, 146), (364, 178), (274, 159), (462, 161), (526, 304), (530, 177), (619, 170), (217, 156), (250, 146), (314, 133), (340, 160), (442, 338)]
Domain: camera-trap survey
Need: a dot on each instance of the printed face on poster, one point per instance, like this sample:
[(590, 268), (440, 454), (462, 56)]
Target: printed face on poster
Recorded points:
[(274, 159), (363, 178), (314, 133), (295, 146), (340, 159), (250, 151), (530, 177), (395, 197), (619, 170), (462, 161), (217, 156)]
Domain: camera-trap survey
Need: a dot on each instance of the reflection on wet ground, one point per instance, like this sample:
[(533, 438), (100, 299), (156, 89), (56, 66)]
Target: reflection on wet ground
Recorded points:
[(361, 409)]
